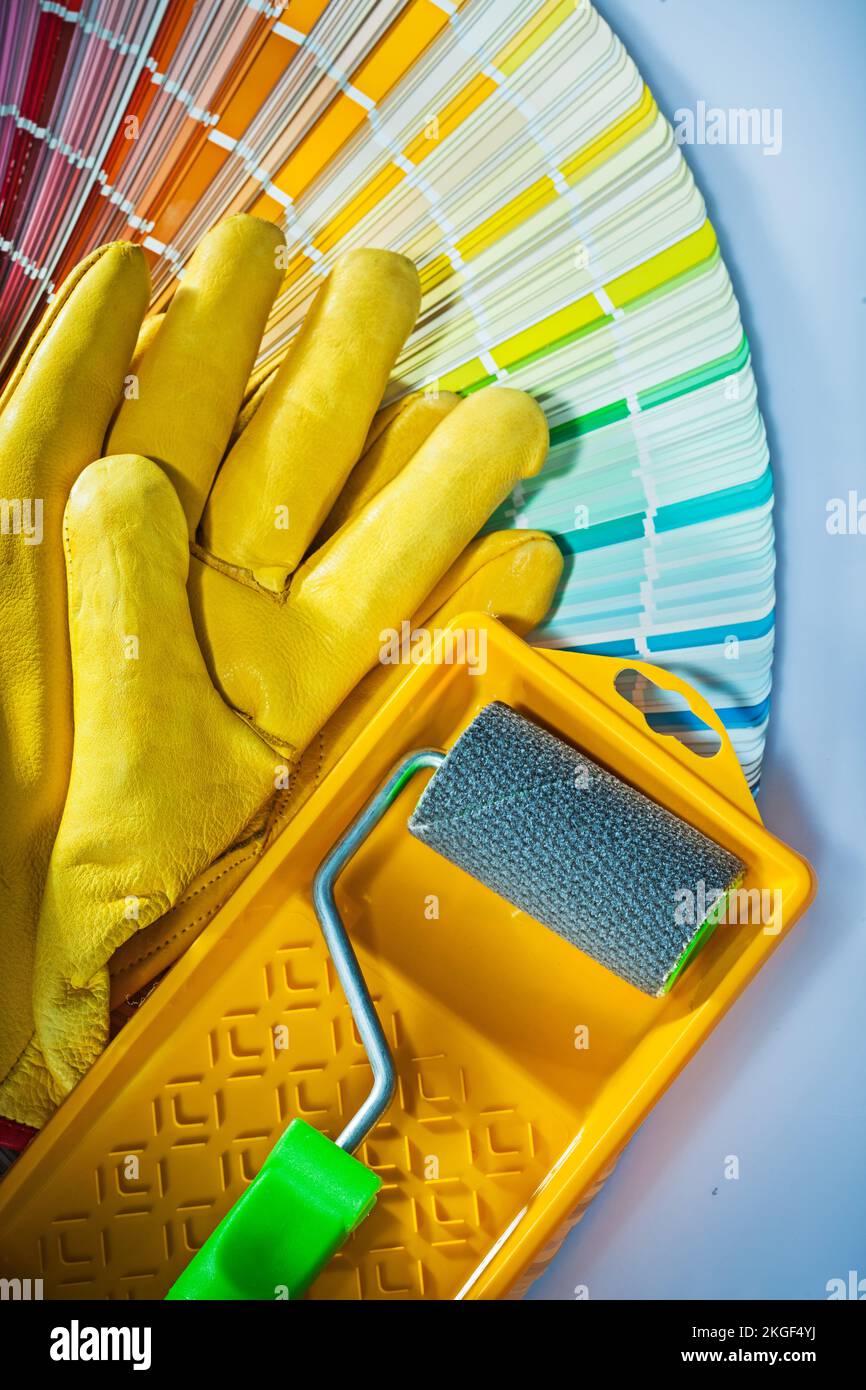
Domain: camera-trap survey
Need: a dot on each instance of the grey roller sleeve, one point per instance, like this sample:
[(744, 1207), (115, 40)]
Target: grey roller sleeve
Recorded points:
[(572, 845)]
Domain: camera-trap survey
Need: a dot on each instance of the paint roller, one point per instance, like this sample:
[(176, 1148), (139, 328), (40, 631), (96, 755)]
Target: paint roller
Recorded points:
[(561, 838)]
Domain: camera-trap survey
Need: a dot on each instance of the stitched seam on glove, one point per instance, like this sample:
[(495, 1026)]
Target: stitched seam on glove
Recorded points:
[(240, 575), (165, 940), (272, 827)]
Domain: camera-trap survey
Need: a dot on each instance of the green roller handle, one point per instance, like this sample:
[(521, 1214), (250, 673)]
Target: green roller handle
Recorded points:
[(308, 1198)]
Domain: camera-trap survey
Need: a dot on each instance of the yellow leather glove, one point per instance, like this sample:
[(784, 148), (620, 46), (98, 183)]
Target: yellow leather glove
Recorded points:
[(171, 778)]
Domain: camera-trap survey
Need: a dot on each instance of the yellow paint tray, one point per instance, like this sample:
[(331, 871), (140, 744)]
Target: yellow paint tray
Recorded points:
[(502, 1129)]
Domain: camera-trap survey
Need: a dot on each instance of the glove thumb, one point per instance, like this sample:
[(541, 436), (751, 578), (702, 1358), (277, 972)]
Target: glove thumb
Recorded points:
[(164, 775)]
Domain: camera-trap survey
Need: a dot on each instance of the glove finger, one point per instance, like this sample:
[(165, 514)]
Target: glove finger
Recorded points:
[(512, 575), (277, 485), (192, 374), (56, 406), (287, 663), (164, 776), (395, 437), (146, 335)]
